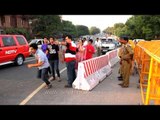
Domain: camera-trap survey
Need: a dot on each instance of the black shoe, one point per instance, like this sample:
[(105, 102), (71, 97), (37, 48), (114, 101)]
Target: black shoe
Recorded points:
[(121, 84), (124, 86), (68, 86), (120, 79)]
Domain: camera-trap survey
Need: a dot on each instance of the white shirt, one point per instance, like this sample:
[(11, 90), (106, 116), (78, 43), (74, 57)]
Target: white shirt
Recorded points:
[(98, 43), (85, 43)]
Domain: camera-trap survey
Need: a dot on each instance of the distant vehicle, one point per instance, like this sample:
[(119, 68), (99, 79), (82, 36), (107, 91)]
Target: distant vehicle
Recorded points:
[(137, 40), (107, 45), (39, 42), (13, 49)]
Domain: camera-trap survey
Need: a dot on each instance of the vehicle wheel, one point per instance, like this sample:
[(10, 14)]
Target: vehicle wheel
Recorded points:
[(19, 60)]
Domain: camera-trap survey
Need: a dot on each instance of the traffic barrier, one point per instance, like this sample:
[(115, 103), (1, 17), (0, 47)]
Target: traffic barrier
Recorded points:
[(147, 56), (91, 72), (113, 57)]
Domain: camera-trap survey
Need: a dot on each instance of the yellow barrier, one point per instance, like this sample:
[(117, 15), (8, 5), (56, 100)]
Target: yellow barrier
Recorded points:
[(132, 44), (147, 57)]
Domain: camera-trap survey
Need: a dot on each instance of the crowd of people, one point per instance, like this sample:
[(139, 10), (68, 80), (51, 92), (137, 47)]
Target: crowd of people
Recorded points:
[(52, 51)]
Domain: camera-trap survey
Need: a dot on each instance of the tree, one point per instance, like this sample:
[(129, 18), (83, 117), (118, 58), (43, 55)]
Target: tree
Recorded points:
[(118, 27), (109, 30), (69, 28), (94, 30), (82, 30), (46, 25), (144, 26)]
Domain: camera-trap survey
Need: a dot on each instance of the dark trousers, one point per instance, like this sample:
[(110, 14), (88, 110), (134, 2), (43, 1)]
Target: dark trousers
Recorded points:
[(49, 70), (71, 73), (54, 66), (43, 74)]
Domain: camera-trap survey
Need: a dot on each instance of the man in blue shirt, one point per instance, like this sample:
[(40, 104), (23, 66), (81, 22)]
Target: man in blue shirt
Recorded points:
[(42, 64)]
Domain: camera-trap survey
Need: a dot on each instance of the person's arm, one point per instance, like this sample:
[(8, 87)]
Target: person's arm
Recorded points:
[(36, 64), (129, 55), (39, 63), (47, 51), (60, 54)]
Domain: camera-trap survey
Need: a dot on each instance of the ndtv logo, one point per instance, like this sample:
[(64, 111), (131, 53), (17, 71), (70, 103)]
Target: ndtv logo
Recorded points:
[(10, 51)]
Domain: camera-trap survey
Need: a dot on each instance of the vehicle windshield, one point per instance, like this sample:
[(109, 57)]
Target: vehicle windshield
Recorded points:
[(33, 41), (104, 41)]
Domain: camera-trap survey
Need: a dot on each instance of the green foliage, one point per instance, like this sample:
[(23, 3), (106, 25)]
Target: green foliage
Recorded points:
[(144, 26), (109, 30), (46, 25), (94, 30), (82, 30), (18, 31), (51, 25), (119, 29), (69, 28)]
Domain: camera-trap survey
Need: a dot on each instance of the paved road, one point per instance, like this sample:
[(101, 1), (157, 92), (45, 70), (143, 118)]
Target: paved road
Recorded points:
[(108, 92), (19, 82)]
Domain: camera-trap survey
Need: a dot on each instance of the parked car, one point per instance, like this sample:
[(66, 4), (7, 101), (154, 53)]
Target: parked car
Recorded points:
[(13, 49), (107, 45), (39, 42)]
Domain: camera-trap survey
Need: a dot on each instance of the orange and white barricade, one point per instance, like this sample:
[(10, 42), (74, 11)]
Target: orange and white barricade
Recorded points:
[(113, 57), (91, 72)]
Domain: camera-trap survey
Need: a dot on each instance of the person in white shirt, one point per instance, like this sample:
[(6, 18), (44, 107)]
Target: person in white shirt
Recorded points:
[(98, 45), (85, 43)]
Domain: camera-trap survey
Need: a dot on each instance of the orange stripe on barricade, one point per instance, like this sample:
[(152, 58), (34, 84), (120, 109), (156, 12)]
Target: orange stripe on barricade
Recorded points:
[(90, 66), (92, 72), (86, 71)]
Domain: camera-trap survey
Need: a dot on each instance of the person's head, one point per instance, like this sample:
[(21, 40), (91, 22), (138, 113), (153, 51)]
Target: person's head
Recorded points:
[(33, 48), (97, 39), (56, 42), (45, 40), (51, 40), (90, 41), (80, 42), (123, 39), (68, 38), (84, 39)]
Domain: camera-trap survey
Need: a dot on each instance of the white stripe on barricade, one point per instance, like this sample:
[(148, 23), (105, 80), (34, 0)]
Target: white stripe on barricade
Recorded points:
[(91, 72), (113, 57)]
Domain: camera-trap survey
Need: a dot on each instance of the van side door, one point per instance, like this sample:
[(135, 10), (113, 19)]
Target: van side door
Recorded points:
[(23, 47), (8, 49)]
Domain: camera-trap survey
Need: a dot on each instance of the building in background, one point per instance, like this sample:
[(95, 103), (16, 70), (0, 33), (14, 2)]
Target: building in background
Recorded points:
[(14, 21)]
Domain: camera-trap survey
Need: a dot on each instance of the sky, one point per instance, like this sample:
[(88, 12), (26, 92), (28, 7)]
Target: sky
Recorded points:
[(99, 21)]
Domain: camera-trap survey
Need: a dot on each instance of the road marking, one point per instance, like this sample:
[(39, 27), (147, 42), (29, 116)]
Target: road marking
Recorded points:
[(36, 91)]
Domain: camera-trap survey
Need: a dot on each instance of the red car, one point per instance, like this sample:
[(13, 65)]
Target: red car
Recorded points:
[(13, 49)]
